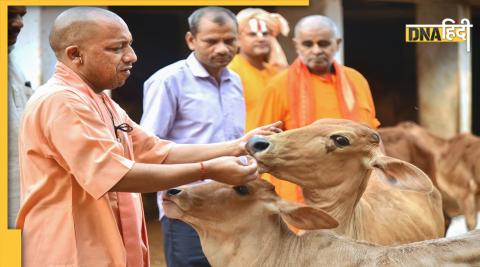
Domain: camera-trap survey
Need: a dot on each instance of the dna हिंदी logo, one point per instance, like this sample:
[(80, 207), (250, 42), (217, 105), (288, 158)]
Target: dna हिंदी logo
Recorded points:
[(448, 31)]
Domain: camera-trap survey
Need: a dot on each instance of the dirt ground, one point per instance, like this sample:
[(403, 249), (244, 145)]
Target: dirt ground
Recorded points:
[(458, 226)]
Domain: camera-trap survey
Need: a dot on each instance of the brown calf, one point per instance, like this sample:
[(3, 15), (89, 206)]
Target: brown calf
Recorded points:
[(341, 169), (451, 164), (244, 226)]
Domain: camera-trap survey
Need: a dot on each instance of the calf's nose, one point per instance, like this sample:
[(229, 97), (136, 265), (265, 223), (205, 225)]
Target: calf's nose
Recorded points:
[(257, 144), (173, 191)]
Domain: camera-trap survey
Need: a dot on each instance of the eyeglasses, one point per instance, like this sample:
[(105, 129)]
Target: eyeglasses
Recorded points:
[(124, 127)]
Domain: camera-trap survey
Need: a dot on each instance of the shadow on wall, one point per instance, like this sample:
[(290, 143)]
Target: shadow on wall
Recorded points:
[(375, 45), (158, 40)]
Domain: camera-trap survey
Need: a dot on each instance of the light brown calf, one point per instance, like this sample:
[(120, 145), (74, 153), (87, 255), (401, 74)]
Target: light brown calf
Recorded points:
[(410, 142), (341, 169), (244, 226), (452, 165), (459, 176)]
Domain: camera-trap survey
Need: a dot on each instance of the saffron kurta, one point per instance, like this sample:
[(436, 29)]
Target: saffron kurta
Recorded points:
[(254, 82), (276, 107), (69, 160)]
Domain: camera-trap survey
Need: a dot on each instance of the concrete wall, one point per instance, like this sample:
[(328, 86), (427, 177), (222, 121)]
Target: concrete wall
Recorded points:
[(444, 69), (32, 50), (444, 75), (27, 50)]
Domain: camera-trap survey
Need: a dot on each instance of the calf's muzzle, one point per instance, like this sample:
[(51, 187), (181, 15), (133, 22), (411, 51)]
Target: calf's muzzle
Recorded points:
[(257, 144)]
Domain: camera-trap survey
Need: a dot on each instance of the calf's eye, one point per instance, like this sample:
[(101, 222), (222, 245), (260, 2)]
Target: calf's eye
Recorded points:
[(241, 190), (340, 140)]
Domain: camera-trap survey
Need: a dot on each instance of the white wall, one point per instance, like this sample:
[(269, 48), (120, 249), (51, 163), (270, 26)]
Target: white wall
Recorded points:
[(27, 51), (32, 51)]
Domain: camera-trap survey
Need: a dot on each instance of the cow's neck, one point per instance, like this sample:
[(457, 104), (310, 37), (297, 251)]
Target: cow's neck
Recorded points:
[(258, 245), (271, 244), (340, 201)]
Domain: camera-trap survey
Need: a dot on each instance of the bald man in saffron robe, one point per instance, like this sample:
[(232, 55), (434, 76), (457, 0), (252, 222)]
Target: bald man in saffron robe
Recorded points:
[(315, 86), (83, 161)]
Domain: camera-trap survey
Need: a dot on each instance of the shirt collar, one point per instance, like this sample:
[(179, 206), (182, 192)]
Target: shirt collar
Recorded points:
[(68, 76), (198, 70)]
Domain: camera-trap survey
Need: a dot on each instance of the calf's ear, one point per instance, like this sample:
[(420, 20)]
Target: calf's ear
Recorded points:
[(400, 174), (305, 217)]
